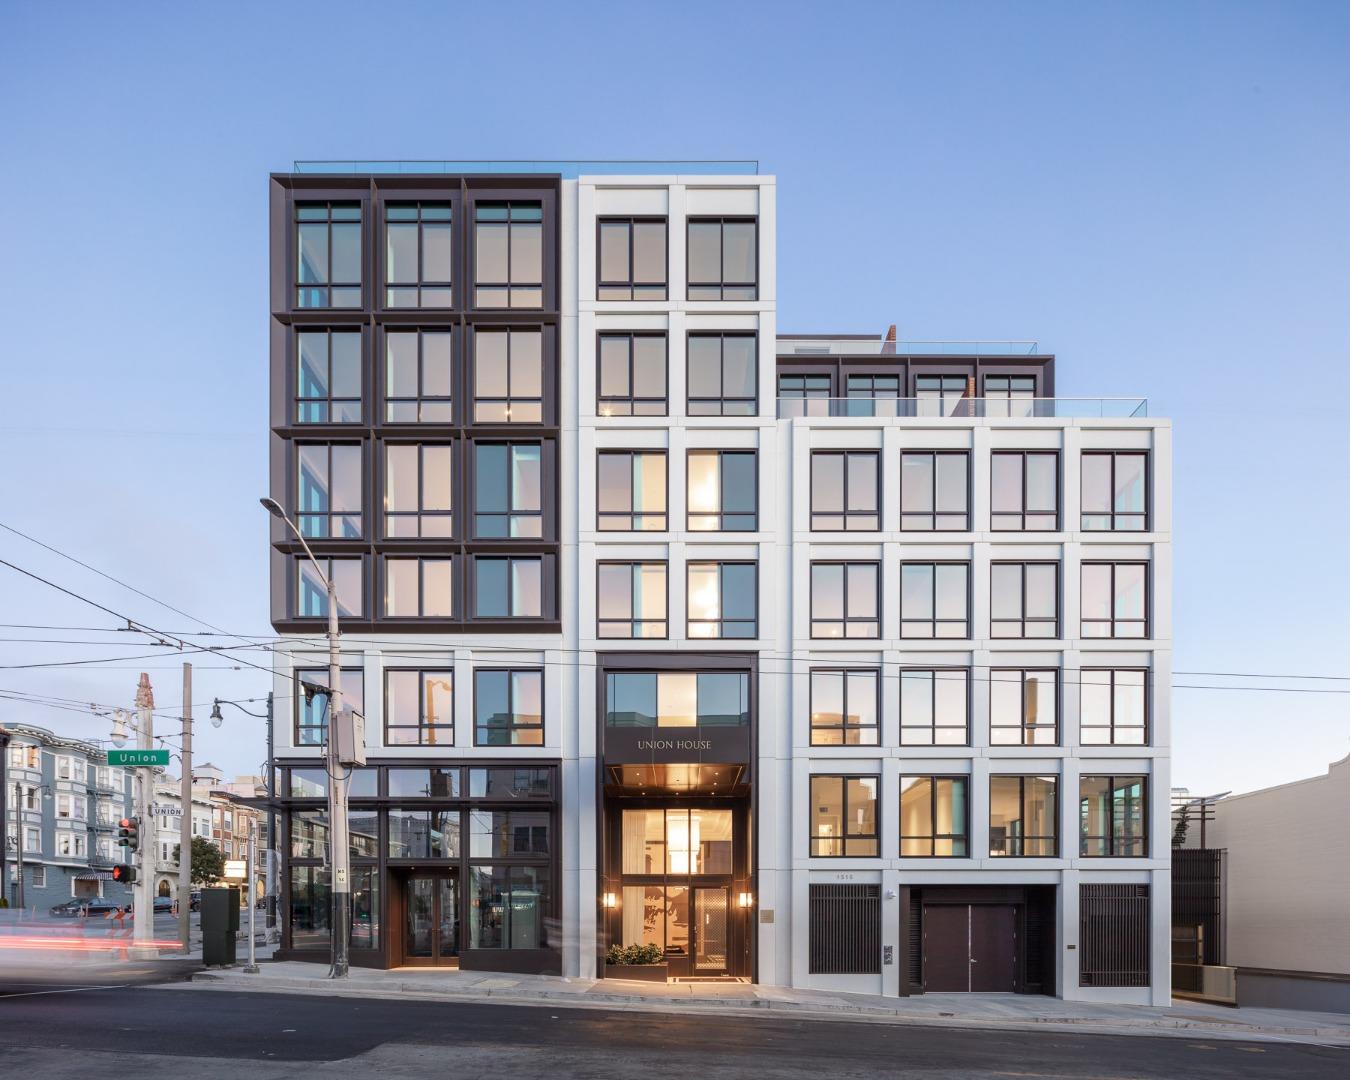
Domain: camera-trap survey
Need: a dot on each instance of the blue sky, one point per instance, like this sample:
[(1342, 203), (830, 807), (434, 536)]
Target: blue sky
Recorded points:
[(1156, 192)]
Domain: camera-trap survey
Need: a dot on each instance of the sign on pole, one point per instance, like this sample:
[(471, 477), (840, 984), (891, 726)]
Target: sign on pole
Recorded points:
[(138, 758)]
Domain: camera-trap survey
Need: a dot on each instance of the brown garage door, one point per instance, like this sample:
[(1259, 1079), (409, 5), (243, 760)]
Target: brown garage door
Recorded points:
[(970, 947)]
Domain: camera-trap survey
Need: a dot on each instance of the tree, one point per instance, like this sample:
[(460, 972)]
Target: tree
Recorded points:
[(208, 861)]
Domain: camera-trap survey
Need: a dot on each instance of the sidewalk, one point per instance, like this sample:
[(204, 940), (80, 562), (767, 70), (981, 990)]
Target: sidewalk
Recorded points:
[(1007, 1011)]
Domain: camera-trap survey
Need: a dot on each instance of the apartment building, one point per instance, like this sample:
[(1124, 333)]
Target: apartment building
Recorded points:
[(61, 804), (823, 661)]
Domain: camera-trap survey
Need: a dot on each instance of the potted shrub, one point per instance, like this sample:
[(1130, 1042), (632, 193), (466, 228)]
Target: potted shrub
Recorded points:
[(644, 962)]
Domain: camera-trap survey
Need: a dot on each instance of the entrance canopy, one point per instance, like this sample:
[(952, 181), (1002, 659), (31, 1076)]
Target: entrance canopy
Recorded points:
[(676, 779)]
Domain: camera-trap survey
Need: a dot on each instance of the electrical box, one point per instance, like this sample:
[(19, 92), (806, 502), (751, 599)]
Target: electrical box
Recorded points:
[(351, 737)]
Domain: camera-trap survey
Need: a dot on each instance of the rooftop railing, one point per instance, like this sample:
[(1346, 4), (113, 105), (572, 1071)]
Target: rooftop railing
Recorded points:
[(966, 407), (875, 346), (569, 170)]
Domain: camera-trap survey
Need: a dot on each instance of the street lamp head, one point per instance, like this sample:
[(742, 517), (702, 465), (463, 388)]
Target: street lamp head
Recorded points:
[(272, 506), (119, 730), (216, 718)]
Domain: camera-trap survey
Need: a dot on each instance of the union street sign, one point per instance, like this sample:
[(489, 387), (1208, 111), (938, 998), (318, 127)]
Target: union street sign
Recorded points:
[(134, 758)]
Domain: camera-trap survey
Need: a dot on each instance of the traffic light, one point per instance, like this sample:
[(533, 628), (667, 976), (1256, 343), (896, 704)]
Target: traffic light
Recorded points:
[(124, 875), (129, 833)]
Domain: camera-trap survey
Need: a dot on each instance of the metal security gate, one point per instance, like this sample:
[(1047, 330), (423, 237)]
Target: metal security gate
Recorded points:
[(845, 930), (1113, 937), (710, 930)]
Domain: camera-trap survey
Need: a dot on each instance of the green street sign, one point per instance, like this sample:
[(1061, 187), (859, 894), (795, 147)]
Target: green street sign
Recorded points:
[(133, 758)]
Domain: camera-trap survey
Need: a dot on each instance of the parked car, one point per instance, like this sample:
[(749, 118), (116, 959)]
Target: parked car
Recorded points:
[(195, 900), (90, 906), (163, 905)]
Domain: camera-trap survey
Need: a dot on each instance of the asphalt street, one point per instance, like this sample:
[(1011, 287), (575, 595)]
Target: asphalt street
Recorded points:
[(160, 1033)]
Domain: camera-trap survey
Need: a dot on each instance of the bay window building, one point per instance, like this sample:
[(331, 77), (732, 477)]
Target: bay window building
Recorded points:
[(828, 661)]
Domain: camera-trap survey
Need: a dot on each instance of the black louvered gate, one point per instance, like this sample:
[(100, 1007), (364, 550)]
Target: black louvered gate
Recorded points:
[(845, 930), (1113, 935)]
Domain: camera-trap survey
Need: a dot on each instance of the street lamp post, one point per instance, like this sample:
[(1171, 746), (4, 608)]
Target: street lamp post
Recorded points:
[(271, 871), (339, 856)]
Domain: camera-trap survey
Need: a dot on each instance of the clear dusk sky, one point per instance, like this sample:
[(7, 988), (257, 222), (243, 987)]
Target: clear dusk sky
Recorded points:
[(1158, 192)]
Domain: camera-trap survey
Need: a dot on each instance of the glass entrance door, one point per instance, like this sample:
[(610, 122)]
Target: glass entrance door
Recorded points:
[(710, 930), (431, 923)]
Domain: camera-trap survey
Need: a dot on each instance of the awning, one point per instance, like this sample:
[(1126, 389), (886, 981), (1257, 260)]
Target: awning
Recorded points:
[(94, 875)]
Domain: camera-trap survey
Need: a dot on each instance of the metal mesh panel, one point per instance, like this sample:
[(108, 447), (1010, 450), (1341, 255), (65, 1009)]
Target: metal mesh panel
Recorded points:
[(845, 930)]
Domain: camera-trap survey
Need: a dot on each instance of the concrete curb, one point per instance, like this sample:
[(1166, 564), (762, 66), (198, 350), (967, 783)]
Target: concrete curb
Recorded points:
[(779, 1008)]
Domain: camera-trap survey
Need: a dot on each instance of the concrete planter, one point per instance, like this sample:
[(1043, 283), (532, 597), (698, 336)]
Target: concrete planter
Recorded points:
[(641, 972)]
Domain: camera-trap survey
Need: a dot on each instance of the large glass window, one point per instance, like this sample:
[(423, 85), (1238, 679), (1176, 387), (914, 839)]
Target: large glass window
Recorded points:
[(722, 377), (508, 707), (934, 817), (1009, 395), (723, 491), (873, 395), (365, 929), (328, 255), (416, 588), (418, 255), (508, 491), (677, 699), (311, 709), (845, 707), (631, 380), (681, 843), (941, 395), (328, 377), (328, 487), (508, 376), (844, 816), (631, 259), (509, 587), (631, 495), (509, 255), (419, 707), (509, 907), (1113, 708), (424, 834), (1113, 819), (804, 395), (1115, 600), (1115, 490), (311, 908), (1023, 707), (845, 600), (845, 490), (423, 783), (630, 600), (1024, 600), (934, 600), (723, 258), (312, 592), (723, 599), (1024, 491), (1023, 820), (518, 782), (657, 915), (508, 834), (419, 377), (934, 707), (419, 483), (935, 491)]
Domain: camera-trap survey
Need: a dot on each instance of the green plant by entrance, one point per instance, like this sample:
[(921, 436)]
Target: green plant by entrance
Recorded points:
[(634, 955)]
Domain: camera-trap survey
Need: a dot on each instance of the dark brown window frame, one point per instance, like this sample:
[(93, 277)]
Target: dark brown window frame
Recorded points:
[(328, 284), (510, 557), (935, 621), (511, 400), (844, 727), (631, 623), (601, 284), (847, 514), (720, 622), (845, 837), (329, 402), (421, 559), (1005, 396), (1019, 842), (1024, 619), (607, 406), (456, 448), (932, 838), (510, 201), (721, 400), (1022, 515), (296, 561), (511, 514), (1022, 727), (422, 281), (721, 513), (513, 726), (933, 514), (1110, 726), (1109, 841), (1112, 622), (721, 285), (320, 675), (846, 620), (301, 515), (1147, 515), (421, 727), (422, 400), (934, 727), (602, 515)]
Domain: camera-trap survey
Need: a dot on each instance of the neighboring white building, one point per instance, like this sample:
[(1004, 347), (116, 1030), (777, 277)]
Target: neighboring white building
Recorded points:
[(166, 810), (843, 662), (1291, 945)]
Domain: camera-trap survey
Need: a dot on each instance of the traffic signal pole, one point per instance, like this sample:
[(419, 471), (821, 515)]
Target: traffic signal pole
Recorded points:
[(185, 822), (143, 889)]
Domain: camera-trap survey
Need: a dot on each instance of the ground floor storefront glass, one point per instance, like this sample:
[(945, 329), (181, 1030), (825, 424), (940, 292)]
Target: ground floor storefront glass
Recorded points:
[(450, 865)]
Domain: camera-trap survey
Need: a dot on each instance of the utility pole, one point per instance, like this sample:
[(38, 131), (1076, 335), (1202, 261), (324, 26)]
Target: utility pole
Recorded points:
[(143, 896), (275, 848), (18, 844), (339, 853), (185, 822), (252, 967)]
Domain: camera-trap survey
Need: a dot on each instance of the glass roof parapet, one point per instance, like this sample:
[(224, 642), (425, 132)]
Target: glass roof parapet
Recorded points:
[(568, 170)]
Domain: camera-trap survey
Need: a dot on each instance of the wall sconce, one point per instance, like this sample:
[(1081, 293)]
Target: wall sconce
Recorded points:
[(610, 900), (745, 899)]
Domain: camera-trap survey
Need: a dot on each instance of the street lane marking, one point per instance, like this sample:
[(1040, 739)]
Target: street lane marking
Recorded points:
[(71, 990)]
